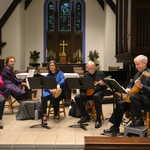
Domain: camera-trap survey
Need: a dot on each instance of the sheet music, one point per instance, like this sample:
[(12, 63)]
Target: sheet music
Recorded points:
[(112, 83), (29, 75)]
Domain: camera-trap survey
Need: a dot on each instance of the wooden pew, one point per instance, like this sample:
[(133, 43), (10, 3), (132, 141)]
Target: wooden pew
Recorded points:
[(116, 143)]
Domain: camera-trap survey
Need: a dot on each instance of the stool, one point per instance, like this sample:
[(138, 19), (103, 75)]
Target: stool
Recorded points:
[(141, 131), (146, 117), (61, 109)]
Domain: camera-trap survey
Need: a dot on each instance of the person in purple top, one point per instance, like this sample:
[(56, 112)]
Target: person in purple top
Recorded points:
[(12, 84)]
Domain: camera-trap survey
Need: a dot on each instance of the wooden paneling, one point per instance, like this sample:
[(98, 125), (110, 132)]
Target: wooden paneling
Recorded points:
[(74, 41), (133, 29)]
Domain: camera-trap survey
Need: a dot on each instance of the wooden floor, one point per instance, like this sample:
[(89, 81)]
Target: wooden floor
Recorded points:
[(19, 135)]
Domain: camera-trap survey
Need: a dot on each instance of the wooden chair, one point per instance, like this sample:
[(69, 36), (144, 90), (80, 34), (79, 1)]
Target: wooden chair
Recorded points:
[(61, 109), (34, 95), (10, 103), (90, 107), (148, 119)]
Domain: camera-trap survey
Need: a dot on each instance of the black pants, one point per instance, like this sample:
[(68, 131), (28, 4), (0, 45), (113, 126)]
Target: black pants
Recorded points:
[(2, 103), (82, 99), (117, 115), (18, 93), (54, 101), (138, 102)]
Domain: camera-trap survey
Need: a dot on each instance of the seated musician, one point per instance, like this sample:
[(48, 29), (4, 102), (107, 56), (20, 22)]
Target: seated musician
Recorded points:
[(53, 95), (97, 95), (139, 99), (12, 84)]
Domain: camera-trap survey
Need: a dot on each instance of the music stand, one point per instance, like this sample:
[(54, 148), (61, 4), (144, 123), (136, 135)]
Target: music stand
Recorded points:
[(76, 83), (42, 82), (115, 87)]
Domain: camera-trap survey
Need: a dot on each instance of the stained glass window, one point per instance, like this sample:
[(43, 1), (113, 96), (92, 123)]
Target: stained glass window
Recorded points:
[(78, 17), (64, 21), (65, 16), (51, 17)]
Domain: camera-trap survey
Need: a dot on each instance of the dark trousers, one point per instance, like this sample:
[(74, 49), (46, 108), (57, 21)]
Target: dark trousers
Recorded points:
[(138, 102), (2, 103), (18, 93), (54, 101), (117, 115), (82, 99)]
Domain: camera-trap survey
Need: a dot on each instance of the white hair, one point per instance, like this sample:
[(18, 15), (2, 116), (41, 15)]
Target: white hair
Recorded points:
[(141, 58)]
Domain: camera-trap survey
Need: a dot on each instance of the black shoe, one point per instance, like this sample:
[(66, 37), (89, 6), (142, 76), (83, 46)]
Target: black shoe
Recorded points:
[(84, 119), (98, 124), (137, 123), (113, 131)]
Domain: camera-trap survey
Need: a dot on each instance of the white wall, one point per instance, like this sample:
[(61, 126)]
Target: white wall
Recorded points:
[(23, 33), (34, 29), (110, 39), (4, 5), (12, 34), (95, 29)]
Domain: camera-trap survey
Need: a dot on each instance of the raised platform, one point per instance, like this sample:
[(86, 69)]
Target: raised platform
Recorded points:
[(116, 143)]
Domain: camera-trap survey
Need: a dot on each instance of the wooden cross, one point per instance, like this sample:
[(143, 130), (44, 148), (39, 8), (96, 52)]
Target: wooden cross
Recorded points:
[(63, 44)]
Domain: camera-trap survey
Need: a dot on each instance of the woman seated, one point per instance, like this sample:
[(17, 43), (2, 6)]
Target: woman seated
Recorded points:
[(53, 95), (12, 84)]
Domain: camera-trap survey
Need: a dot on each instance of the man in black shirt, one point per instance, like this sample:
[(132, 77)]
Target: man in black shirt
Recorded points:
[(139, 100), (96, 94)]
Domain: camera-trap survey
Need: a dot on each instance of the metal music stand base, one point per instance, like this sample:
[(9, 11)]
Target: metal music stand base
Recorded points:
[(40, 126), (80, 125)]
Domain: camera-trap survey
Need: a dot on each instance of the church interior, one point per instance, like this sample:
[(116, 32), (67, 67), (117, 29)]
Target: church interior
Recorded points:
[(110, 33)]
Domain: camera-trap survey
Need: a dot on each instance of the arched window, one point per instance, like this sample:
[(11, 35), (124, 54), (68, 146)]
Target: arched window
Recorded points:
[(64, 30)]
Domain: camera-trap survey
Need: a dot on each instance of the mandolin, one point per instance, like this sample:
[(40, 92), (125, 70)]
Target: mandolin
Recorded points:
[(57, 93), (90, 92)]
